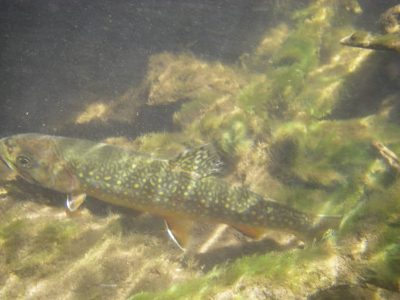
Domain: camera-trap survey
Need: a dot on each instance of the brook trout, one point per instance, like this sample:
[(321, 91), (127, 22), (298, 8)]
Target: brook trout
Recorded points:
[(181, 190)]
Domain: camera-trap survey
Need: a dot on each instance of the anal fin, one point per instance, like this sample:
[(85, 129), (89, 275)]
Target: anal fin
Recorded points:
[(250, 231), (179, 230)]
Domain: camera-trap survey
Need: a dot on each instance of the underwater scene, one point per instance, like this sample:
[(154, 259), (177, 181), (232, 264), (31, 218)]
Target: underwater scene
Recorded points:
[(215, 149)]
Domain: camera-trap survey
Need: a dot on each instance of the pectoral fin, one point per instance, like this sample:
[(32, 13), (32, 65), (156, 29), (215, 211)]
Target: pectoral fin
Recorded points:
[(253, 232), (74, 201), (179, 230)]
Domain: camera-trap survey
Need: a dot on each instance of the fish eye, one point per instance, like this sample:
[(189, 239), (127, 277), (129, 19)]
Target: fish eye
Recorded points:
[(23, 161)]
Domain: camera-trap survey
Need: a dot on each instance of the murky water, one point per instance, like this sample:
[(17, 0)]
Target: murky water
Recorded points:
[(292, 114)]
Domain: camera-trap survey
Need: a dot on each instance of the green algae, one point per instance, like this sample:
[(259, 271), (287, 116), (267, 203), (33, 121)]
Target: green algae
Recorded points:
[(327, 164), (289, 267), (252, 100), (229, 134), (12, 238), (56, 234), (323, 168), (184, 77), (44, 242), (78, 258), (383, 268), (270, 124), (377, 215), (159, 143)]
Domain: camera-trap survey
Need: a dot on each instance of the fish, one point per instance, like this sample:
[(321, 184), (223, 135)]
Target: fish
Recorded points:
[(366, 40), (182, 190)]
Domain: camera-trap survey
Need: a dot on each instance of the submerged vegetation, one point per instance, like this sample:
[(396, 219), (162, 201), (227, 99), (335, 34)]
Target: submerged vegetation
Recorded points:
[(286, 122), (271, 272)]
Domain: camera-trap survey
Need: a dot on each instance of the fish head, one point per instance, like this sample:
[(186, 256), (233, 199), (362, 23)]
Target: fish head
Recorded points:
[(36, 159)]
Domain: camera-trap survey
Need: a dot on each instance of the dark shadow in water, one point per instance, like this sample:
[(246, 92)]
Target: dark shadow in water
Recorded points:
[(345, 291), (221, 255), (23, 191), (366, 89), (372, 9), (54, 54)]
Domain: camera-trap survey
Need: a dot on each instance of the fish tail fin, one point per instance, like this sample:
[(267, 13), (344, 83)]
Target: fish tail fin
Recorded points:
[(322, 224)]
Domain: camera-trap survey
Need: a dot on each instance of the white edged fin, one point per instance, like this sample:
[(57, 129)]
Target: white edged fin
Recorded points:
[(74, 201), (179, 231), (172, 236)]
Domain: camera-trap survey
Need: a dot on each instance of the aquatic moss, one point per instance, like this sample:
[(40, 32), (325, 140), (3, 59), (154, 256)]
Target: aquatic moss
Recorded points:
[(306, 69), (383, 256), (13, 235), (376, 219), (229, 133), (56, 233), (260, 60), (265, 269), (184, 77), (384, 267), (381, 204), (295, 59), (252, 97), (44, 242), (193, 110), (322, 170), (161, 144), (323, 166)]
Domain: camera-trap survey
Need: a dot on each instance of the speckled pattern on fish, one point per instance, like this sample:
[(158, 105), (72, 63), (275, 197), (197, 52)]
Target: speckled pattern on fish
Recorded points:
[(182, 188)]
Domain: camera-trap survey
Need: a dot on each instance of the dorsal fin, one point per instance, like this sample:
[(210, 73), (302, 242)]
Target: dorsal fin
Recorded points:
[(199, 162)]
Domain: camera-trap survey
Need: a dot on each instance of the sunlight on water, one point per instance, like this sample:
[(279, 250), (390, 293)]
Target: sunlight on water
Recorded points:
[(200, 149)]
